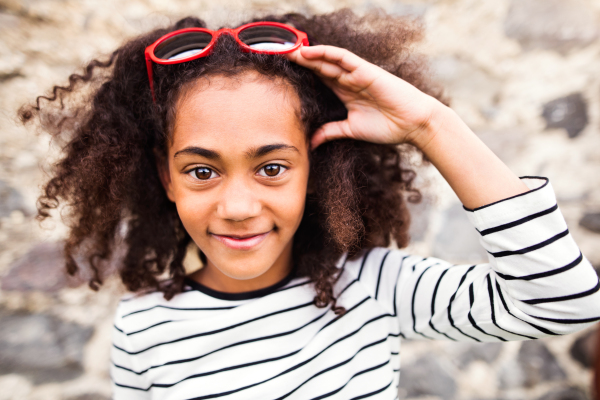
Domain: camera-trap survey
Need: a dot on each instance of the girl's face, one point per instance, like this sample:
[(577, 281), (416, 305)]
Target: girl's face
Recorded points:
[(238, 172)]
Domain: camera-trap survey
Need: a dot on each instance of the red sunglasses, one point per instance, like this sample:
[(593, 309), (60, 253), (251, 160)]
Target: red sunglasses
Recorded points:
[(191, 43)]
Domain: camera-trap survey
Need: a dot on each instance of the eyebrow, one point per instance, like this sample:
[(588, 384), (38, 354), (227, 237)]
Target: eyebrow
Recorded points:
[(252, 153)]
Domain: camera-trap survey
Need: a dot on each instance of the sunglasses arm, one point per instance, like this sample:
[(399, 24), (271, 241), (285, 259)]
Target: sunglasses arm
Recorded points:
[(150, 75)]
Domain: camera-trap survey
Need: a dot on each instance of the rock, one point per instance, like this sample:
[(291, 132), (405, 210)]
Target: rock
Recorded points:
[(466, 82), (41, 347), (569, 113), (458, 241), (570, 393), (538, 364), (583, 349), (89, 396), (559, 25), (486, 352), (41, 269), (591, 221), (10, 200), (419, 218), (426, 377)]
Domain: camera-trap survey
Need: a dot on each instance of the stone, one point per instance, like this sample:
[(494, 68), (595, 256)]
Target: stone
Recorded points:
[(40, 269), (486, 352), (458, 241), (89, 396), (419, 218), (41, 347), (568, 113), (583, 350), (463, 81), (559, 25), (538, 364), (591, 221), (570, 393), (426, 377), (11, 200)]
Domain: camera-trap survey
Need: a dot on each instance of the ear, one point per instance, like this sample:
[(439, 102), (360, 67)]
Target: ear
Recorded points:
[(162, 165)]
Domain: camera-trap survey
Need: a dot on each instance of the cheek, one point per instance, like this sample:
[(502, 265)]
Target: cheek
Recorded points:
[(194, 214), (290, 204)]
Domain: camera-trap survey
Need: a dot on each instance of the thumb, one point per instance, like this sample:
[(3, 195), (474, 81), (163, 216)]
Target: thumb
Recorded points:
[(331, 131)]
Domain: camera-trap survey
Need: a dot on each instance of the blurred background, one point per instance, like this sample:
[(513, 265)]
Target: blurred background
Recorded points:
[(523, 74)]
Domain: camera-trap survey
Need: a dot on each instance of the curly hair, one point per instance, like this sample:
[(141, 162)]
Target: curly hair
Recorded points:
[(113, 133)]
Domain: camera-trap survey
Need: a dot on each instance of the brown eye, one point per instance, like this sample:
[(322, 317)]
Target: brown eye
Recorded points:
[(272, 170), (202, 173)]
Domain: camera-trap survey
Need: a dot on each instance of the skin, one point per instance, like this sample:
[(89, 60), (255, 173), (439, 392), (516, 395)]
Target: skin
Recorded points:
[(382, 108), (217, 178)]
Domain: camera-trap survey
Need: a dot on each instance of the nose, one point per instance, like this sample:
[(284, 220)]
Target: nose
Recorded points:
[(238, 202)]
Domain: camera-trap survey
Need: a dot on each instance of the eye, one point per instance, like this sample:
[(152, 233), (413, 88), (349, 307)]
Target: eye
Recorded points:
[(272, 170), (202, 173)]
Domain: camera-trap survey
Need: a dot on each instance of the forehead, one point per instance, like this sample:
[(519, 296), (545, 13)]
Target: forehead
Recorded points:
[(241, 111)]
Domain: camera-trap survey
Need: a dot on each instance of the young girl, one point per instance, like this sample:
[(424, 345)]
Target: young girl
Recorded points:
[(273, 147)]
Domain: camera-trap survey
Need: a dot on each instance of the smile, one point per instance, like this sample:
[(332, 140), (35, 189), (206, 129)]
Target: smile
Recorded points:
[(241, 242)]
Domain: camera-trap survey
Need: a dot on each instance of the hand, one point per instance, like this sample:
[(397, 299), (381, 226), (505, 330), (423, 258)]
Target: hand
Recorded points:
[(382, 108)]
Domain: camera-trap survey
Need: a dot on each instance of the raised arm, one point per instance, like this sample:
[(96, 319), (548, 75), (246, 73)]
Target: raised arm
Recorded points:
[(383, 108), (536, 283)]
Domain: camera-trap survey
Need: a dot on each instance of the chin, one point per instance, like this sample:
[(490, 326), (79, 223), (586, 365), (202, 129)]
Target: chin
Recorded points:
[(244, 268)]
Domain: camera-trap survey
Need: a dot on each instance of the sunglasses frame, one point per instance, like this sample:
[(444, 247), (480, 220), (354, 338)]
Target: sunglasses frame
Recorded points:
[(302, 40)]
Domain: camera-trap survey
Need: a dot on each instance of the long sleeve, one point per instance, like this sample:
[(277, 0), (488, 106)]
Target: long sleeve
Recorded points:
[(126, 381), (536, 283)]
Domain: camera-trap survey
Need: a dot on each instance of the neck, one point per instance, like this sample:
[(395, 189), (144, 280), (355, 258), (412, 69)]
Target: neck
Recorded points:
[(211, 277)]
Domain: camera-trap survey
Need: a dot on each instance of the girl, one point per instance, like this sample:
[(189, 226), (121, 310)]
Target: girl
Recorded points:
[(273, 147)]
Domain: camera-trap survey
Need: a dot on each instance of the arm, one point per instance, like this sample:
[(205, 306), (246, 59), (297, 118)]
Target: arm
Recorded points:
[(537, 283)]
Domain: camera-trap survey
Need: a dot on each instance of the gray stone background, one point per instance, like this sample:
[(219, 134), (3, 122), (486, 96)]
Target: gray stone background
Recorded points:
[(524, 74)]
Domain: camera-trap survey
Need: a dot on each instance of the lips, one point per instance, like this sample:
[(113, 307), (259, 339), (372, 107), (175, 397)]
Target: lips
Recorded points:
[(245, 242)]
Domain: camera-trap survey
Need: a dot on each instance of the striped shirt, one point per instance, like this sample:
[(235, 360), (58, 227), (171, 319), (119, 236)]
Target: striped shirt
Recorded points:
[(275, 344)]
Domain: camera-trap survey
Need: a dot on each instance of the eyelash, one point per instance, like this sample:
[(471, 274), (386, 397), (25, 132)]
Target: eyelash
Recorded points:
[(283, 169)]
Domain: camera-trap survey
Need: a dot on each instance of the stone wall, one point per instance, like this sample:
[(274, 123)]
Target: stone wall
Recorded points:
[(524, 74)]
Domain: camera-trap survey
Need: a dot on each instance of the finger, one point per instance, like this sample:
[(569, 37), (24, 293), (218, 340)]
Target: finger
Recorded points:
[(322, 68), (332, 54), (331, 131)]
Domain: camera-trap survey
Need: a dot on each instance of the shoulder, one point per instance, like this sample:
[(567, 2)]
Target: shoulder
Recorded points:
[(135, 310), (369, 263)]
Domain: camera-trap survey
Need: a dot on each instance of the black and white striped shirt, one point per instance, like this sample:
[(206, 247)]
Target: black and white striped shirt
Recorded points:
[(275, 344)]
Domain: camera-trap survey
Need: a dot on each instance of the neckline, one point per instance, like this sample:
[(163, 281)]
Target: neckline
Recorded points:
[(253, 294)]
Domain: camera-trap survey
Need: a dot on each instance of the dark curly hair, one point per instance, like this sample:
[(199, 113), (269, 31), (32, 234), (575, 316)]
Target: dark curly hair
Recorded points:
[(112, 133)]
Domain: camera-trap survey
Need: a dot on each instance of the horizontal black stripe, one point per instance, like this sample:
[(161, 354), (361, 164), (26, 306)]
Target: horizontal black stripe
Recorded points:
[(531, 248), (545, 274), (217, 330), (519, 221), (148, 327), (515, 196), (336, 366), (364, 371), (186, 360), (179, 309), (568, 321), (564, 298), (212, 396), (364, 396)]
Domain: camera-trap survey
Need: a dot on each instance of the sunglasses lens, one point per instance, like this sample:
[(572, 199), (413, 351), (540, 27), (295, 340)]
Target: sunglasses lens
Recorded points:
[(270, 38), (182, 46)]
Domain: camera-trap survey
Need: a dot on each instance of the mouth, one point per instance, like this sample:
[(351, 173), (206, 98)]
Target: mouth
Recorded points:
[(246, 242)]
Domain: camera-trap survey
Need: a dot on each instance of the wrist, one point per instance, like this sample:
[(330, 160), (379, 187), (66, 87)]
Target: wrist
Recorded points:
[(438, 118)]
